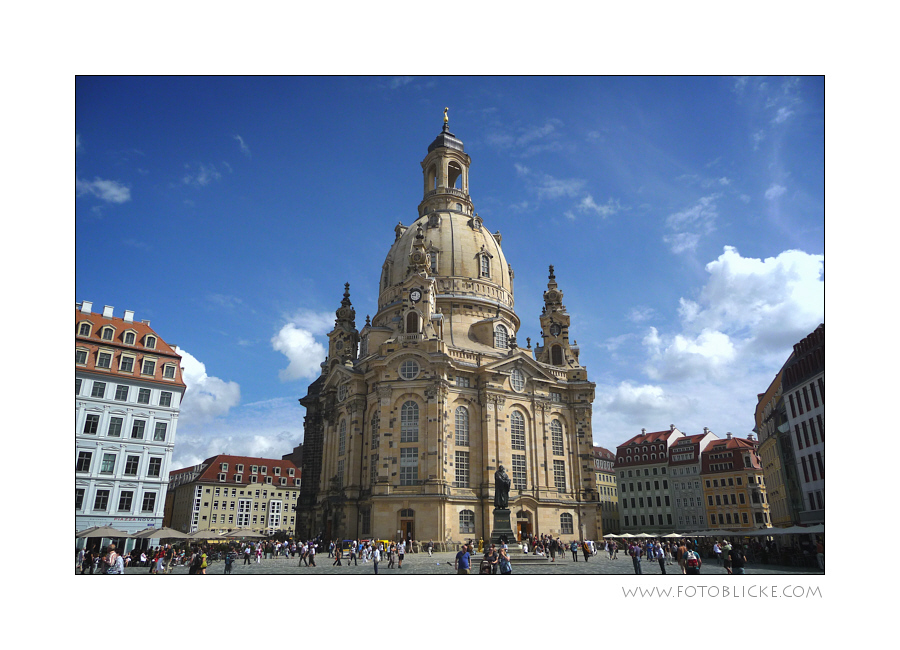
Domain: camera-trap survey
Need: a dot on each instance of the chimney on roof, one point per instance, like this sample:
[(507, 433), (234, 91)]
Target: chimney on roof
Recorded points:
[(643, 432), (671, 427), (107, 311), (705, 430), (129, 316), (728, 435), (86, 307), (750, 437), (145, 322)]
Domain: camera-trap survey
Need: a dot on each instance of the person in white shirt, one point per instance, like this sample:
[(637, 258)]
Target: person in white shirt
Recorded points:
[(401, 551), (376, 558)]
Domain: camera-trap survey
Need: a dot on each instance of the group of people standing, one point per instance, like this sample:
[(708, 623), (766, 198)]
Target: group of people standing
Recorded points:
[(685, 554)]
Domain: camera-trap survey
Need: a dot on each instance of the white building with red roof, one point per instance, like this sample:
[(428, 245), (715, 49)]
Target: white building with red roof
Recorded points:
[(645, 503), (128, 391)]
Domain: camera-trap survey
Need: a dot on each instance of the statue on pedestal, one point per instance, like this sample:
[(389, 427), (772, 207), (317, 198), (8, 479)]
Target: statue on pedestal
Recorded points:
[(501, 489)]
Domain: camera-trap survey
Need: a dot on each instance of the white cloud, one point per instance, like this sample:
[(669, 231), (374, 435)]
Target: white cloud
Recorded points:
[(206, 397), (642, 401), (265, 429), (296, 340), (605, 210), (749, 311), (782, 114), (691, 224), (641, 314), (529, 140), (775, 191), (397, 82), (109, 191), (549, 187), (200, 175), (243, 145)]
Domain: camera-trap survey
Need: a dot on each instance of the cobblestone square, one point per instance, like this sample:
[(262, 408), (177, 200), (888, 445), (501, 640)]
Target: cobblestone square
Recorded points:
[(442, 564)]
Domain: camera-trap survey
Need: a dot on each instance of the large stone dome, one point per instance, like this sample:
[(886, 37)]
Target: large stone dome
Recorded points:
[(457, 245)]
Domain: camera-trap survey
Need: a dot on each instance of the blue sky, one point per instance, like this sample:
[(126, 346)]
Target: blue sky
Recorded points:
[(684, 217)]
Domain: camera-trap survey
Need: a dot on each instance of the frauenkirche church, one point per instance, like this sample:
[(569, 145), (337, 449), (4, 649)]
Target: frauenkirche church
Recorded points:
[(413, 414)]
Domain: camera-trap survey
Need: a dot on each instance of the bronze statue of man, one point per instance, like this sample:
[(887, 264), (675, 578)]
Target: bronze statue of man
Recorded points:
[(501, 489)]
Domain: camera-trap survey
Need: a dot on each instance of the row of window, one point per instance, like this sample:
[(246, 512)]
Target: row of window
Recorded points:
[(637, 472), (638, 502), (665, 486), (806, 392), (812, 429), (728, 518), (108, 333), (125, 502), (127, 362), (262, 469), (811, 471), (108, 464), (114, 430), (98, 390), (244, 520), (654, 521), (222, 477)]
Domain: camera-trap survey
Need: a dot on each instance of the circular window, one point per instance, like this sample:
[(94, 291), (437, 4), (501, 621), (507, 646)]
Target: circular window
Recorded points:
[(409, 369), (517, 379)]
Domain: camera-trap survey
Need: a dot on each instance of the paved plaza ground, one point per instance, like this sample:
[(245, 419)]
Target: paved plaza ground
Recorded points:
[(442, 564)]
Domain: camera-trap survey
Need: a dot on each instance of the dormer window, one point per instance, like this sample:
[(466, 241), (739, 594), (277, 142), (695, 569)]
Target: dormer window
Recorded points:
[(500, 337), (84, 329), (150, 342), (81, 357), (148, 367), (169, 371), (485, 266), (107, 333), (129, 338)]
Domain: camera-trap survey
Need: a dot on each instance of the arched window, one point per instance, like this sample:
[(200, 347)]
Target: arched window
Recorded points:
[(409, 422), (500, 337), (566, 524), (462, 426), (342, 438), (517, 430), (412, 323), (556, 354), (485, 266), (556, 435), (466, 522), (84, 329), (454, 175)]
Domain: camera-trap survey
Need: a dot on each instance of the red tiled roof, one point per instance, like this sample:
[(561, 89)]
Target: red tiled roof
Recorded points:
[(162, 352), (734, 447), (211, 473), (604, 453)]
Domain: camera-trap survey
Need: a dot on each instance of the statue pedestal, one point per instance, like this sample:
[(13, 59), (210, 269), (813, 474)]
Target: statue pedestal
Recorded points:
[(503, 528)]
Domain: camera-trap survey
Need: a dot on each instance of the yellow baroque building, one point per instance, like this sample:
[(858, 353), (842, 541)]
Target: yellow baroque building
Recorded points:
[(412, 415)]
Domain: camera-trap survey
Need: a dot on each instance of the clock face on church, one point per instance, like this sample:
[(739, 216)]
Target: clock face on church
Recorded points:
[(415, 295), (555, 329)]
